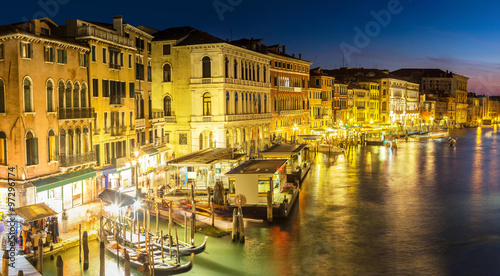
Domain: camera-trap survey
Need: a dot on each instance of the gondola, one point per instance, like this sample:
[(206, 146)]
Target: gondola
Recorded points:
[(185, 250), (139, 257)]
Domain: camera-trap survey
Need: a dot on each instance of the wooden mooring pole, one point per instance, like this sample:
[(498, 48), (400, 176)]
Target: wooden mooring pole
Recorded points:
[(80, 242), (269, 206), (161, 244), (102, 260), (40, 256), (126, 263), (241, 225), (5, 263), (212, 209), (85, 250), (235, 226), (185, 228), (59, 265)]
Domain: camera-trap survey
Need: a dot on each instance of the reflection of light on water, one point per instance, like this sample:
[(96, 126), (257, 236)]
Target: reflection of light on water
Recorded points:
[(478, 136)]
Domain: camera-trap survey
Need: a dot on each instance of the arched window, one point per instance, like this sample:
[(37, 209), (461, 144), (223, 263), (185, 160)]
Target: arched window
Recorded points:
[(207, 68), (200, 141), (242, 70), (207, 104), (76, 95), (68, 94), (28, 96), (264, 78), (258, 73), (226, 67), (31, 149), (78, 141), (236, 102), (253, 72), (62, 144), (259, 105), (61, 94), (167, 106), (85, 140), (275, 105), (52, 142), (235, 69), (384, 106), (83, 94), (3, 149), (2, 96), (50, 96), (265, 103), (167, 73), (227, 103), (70, 143)]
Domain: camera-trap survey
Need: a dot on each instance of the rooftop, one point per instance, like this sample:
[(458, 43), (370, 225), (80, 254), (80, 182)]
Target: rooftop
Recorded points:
[(258, 166), (207, 157)]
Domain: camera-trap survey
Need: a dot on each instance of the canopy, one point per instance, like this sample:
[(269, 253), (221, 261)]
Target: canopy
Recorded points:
[(113, 197), (63, 179), (35, 212)]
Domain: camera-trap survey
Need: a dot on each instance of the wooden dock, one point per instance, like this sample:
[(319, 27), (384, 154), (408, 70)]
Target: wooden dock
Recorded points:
[(21, 264)]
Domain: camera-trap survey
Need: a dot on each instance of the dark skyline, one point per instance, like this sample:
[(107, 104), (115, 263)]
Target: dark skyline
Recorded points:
[(458, 36)]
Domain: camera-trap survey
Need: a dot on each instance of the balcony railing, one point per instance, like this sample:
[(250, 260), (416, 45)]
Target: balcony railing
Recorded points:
[(115, 100), (140, 123), (220, 80), (76, 113), (86, 31), (291, 112), (245, 117), (118, 131), (289, 89), (170, 119), (76, 159), (115, 66)]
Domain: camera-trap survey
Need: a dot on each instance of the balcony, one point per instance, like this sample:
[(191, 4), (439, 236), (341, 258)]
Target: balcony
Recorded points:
[(140, 123), (157, 117), (118, 131), (115, 66), (76, 159), (92, 31), (221, 80), (76, 113), (115, 100), (289, 89), (170, 119), (245, 117), (291, 112)]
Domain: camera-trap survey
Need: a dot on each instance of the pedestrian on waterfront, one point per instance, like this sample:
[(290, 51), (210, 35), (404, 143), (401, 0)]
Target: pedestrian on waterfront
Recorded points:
[(64, 221)]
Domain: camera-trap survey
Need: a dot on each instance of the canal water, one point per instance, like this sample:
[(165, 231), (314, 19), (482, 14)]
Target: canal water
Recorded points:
[(423, 209)]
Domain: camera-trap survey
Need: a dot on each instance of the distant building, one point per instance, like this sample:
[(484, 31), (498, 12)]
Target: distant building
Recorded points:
[(322, 100), (447, 83)]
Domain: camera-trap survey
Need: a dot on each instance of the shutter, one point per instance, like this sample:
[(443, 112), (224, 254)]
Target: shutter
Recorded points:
[(65, 56), (21, 49), (52, 54), (45, 55), (57, 148), (35, 151), (28, 152), (30, 51)]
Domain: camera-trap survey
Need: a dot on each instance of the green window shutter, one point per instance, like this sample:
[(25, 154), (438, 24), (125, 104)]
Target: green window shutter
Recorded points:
[(65, 56), (57, 147), (52, 56), (21, 49), (30, 50), (45, 56), (28, 152), (35, 151)]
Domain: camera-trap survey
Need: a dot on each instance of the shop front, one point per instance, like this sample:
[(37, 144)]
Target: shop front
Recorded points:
[(66, 191)]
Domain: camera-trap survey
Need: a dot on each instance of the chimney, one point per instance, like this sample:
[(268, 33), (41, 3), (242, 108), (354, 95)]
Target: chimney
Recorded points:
[(300, 56), (293, 55), (284, 49), (118, 24)]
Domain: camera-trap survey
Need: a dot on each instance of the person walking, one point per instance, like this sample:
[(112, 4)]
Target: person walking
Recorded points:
[(64, 222)]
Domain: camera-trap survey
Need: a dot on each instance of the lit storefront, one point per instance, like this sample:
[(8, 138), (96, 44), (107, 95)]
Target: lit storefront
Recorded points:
[(66, 191)]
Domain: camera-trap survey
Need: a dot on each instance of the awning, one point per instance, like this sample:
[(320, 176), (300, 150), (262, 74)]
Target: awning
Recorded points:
[(150, 151), (163, 149), (113, 197), (63, 179), (35, 212), (108, 170)]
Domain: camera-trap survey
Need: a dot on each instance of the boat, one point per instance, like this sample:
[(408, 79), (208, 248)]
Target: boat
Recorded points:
[(139, 257), (184, 249), (452, 141)]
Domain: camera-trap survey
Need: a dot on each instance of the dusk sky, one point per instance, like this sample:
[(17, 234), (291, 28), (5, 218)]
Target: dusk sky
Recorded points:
[(459, 36)]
